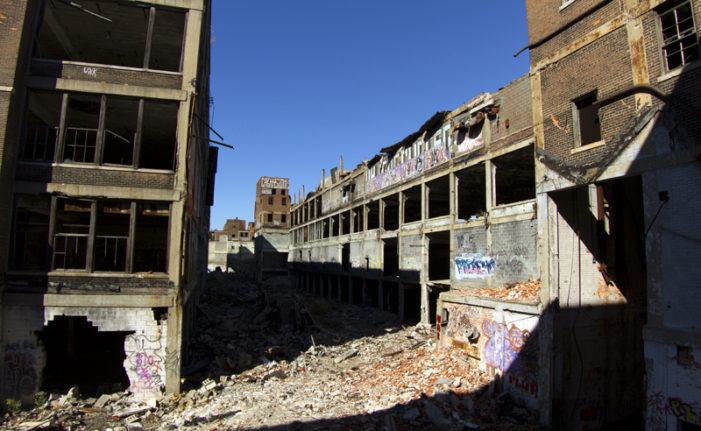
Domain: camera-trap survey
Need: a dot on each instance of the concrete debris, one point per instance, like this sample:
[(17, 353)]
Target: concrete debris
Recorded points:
[(364, 370)]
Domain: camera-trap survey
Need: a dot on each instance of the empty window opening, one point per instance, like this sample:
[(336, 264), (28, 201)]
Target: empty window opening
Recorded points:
[(345, 257), (587, 126), (167, 40), (77, 354), (391, 221), (390, 296), (438, 197), (120, 131), (680, 44), (358, 222), (80, 135), (357, 291), (270, 200), (373, 214), (70, 242), (438, 256), (326, 227), (471, 191), (151, 237), (111, 234), (317, 206), (390, 256), (333, 222), (158, 141), (30, 236), (41, 125), (345, 223), (270, 218), (109, 32), (345, 289), (412, 304), (372, 293), (412, 204), (515, 176)]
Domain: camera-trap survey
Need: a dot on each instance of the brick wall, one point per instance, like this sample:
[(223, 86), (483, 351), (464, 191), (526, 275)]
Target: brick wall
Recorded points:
[(545, 17), (516, 109), (95, 177), (104, 74), (603, 65)]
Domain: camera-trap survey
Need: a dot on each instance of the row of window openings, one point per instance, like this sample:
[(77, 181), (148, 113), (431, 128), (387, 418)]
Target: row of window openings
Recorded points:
[(283, 218), (75, 226), (115, 33), (283, 201), (437, 140), (105, 130)]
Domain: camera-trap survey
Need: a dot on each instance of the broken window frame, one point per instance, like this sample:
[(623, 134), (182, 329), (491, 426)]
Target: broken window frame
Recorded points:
[(147, 56), (586, 114), (94, 139), (676, 40), (85, 244)]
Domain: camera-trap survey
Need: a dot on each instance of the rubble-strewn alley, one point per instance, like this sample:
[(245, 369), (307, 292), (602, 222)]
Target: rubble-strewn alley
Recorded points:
[(266, 357)]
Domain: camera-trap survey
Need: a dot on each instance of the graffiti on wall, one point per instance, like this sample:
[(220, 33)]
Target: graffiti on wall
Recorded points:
[(474, 265), (19, 372), (408, 169), (468, 143), (503, 344), (145, 365), (274, 183), (660, 406)]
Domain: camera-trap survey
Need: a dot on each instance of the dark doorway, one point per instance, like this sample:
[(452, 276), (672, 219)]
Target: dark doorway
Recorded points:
[(77, 354)]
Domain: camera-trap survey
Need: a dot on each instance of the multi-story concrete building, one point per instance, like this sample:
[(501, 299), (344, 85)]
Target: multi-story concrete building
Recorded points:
[(272, 218), (617, 127), (106, 178), (451, 205)]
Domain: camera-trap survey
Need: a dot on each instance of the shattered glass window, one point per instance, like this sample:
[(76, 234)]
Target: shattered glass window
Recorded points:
[(679, 39)]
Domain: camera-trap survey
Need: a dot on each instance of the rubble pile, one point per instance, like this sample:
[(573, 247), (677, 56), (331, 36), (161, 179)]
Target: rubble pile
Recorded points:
[(522, 291), (265, 358)]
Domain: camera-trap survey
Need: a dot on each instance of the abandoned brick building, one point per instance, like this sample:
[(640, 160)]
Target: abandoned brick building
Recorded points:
[(106, 178), (271, 215), (582, 175)]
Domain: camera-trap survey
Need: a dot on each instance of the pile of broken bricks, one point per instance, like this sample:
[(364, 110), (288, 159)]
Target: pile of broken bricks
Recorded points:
[(290, 367)]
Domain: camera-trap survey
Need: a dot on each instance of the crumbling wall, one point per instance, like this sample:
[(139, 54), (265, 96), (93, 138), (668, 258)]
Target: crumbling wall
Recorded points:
[(23, 356), (499, 341), (145, 349)]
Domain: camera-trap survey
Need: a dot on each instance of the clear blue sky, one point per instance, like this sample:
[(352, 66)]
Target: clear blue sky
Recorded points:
[(296, 84)]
